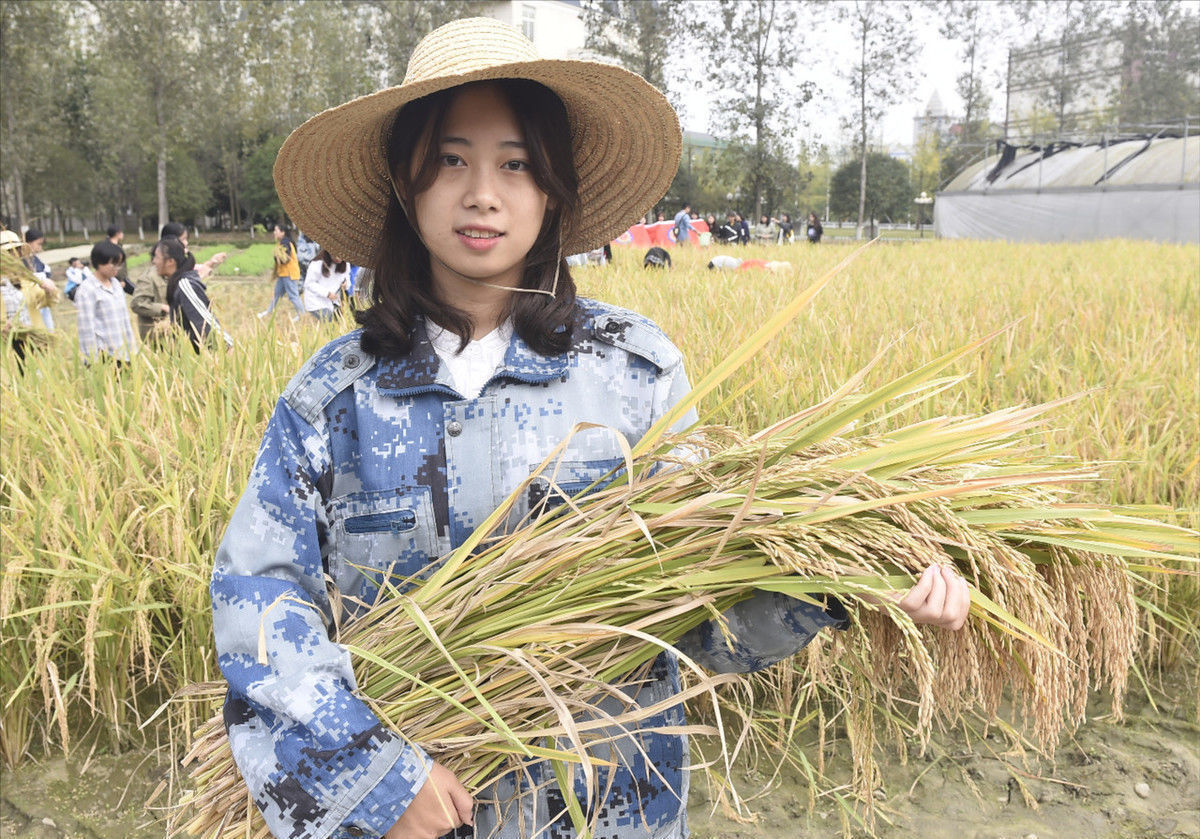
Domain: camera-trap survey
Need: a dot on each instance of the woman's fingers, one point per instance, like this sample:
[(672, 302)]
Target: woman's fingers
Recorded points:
[(958, 599), (464, 804), (941, 597), (935, 604), (915, 598)]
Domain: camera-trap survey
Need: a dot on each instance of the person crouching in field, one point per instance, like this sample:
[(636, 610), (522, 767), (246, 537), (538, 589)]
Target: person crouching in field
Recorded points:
[(102, 319), (475, 360), (324, 282)]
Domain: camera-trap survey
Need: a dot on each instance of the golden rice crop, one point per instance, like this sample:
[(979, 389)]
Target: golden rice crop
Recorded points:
[(114, 488), (516, 634)]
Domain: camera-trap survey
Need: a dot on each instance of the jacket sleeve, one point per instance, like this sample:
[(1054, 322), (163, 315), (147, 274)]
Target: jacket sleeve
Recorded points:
[(145, 302), (317, 761), (765, 628), (85, 304), (193, 315)]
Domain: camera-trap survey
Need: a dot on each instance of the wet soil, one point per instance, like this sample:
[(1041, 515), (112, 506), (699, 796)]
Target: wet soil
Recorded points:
[(1138, 779)]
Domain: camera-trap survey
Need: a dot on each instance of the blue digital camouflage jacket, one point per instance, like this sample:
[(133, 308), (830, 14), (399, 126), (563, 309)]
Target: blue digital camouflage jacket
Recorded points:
[(381, 463)]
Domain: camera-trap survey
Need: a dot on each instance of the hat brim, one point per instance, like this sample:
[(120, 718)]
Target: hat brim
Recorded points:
[(332, 178)]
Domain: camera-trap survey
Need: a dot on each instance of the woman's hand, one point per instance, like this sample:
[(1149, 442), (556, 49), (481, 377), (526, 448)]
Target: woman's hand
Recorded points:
[(940, 598), (440, 806)]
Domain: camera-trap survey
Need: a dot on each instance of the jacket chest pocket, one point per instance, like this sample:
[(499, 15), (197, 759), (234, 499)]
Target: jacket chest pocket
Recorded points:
[(381, 532), (565, 479)]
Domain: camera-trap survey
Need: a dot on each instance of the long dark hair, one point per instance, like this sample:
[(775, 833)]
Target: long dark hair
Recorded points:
[(402, 288), (172, 248), (328, 261)]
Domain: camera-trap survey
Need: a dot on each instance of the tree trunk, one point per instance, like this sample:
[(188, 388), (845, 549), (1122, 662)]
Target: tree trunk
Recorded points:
[(862, 105), (19, 198), (160, 121)]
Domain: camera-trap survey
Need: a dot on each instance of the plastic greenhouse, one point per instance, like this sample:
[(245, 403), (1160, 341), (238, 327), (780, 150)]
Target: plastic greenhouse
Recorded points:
[(1143, 188)]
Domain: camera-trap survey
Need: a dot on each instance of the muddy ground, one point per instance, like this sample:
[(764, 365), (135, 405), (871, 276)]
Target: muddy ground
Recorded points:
[(1139, 779)]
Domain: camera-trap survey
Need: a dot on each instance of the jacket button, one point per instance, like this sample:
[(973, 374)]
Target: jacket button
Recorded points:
[(454, 428), (351, 362), (612, 326)]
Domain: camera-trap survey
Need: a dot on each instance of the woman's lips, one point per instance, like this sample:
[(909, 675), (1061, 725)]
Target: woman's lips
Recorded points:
[(481, 240)]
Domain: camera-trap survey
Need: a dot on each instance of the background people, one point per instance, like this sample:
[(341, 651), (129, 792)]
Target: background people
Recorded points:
[(115, 234), (287, 272), (186, 292), (324, 283), (813, 229), (35, 241), (102, 319), (682, 231)]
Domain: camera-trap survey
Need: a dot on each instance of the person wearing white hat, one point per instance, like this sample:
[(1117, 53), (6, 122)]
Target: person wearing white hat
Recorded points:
[(22, 296), (460, 189)]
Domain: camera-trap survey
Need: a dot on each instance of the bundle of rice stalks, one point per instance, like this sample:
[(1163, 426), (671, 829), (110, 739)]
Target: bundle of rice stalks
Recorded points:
[(502, 655), (515, 636)]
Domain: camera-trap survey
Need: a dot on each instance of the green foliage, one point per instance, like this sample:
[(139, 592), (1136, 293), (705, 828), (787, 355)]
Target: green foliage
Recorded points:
[(637, 34), (882, 68), (756, 43), (258, 194), (254, 261), (889, 189)]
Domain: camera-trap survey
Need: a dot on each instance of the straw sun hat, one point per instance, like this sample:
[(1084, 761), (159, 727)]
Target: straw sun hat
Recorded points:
[(9, 240), (332, 174)]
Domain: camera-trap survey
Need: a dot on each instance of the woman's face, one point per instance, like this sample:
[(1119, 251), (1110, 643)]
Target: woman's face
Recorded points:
[(483, 211), (164, 266)]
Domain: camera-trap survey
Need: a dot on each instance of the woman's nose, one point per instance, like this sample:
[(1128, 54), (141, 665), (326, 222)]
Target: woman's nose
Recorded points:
[(483, 189)]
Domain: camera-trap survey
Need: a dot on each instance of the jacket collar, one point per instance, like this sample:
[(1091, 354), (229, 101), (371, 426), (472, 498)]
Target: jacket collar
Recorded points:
[(421, 370)]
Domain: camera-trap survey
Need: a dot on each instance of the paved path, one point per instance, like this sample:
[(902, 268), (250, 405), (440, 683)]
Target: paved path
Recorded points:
[(63, 255)]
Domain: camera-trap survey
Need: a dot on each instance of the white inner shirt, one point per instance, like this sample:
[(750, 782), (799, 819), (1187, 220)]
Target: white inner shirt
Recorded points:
[(470, 369)]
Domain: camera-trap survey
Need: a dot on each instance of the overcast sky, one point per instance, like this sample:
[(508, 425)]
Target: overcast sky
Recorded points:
[(833, 47)]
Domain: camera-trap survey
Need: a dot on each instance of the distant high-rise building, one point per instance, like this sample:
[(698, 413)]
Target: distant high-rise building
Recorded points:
[(934, 121)]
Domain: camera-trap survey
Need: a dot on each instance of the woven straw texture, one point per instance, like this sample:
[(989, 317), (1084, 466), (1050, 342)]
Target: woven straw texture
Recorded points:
[(331, 173)]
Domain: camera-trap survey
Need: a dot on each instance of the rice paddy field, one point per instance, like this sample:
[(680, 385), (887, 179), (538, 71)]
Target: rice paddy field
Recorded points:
[(116, 487)]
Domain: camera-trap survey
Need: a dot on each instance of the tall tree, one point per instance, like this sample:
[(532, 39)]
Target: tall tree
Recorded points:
[(1161, 63), (149, 53), (889, 191), (393, 28), (756, 44), (1066, 42), (28, 32), (637, 34), (973, 24), (881, 73)]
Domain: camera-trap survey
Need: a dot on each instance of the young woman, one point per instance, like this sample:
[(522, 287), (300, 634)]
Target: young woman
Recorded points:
[(324, 282), (461, 189), (813, 229), (102, 318), (187, 296)]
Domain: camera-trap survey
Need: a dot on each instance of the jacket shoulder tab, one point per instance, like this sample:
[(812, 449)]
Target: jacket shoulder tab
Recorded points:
[(631, 332), (327, 373)]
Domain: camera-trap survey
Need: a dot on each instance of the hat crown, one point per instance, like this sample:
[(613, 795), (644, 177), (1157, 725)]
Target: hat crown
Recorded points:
[(467, 46)]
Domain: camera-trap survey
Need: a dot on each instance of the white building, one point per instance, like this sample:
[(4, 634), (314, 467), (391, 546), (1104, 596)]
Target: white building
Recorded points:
[(555, 26), (936, 121)]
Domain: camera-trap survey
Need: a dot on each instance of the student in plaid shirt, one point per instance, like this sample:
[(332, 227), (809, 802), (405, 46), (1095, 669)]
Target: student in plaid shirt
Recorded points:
[(104, 326)]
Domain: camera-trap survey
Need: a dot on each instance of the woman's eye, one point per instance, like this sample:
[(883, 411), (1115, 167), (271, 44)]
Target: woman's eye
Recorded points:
[(517, 166), (451, 160)]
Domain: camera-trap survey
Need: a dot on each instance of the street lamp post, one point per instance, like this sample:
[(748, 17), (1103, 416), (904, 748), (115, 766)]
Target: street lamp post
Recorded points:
[(922, 201)]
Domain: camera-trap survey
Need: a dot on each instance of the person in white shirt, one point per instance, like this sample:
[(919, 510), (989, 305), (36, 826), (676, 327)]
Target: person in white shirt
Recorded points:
[(77, 272), (323, 283)]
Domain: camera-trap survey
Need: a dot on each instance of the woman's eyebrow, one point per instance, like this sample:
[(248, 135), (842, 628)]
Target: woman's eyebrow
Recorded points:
[(463, 141)]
